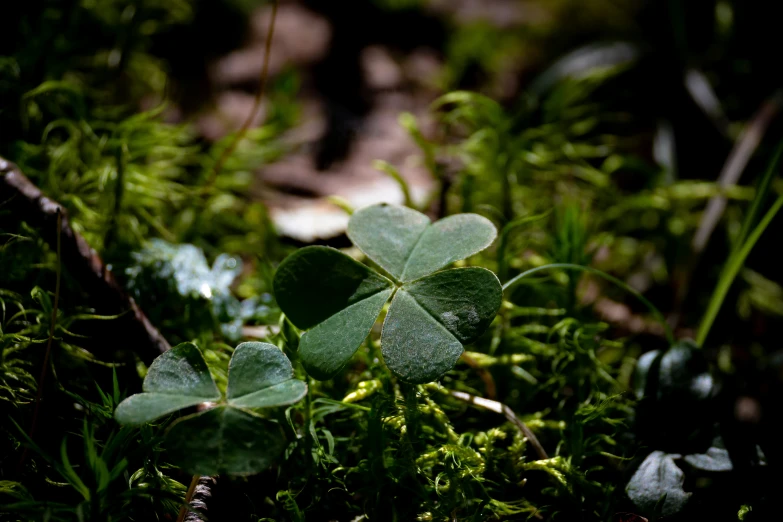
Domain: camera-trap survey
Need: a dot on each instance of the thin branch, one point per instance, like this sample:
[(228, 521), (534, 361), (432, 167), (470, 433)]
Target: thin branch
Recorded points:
[(499, 407), (27, 203), (735, 164), (228, 151), (485, 375), (185, 509), (197, 504)]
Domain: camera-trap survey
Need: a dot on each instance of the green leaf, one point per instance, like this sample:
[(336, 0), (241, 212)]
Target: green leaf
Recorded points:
[(340, 299), (715, 459), (405, 244), (464, 300), (657, 486), (684, 373), (643, 372), (314, 283), (224, 440), (387, 234), (176, 379), (181, 370), (429, 320), (415, 346), (448, 240), (14, 490), (146, 407), (325, 349), (675, 383), (261, 376)]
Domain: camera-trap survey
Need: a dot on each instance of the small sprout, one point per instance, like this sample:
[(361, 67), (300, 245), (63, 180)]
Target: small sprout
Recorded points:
[(432, 313), (227, 437)]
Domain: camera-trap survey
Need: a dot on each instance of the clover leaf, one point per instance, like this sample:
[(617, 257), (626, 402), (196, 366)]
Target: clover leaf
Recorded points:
[(714, 459), (432, 313), (226, 438), (657, 486)]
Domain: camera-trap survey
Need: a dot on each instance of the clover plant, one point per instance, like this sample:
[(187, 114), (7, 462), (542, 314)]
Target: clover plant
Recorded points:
[(227, 437), (433, 312)]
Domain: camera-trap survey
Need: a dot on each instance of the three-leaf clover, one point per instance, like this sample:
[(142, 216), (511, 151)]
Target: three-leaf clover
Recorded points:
[(226, 438), (432, 313)]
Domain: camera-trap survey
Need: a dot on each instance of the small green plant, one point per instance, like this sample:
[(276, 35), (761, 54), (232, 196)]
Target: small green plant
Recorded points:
[(673, 383), (228, 437), (432, 313)]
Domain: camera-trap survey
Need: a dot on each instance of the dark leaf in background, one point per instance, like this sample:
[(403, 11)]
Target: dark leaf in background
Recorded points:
[(657, 486)]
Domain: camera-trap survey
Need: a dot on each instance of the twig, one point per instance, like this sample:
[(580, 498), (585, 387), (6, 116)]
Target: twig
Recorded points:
[(499, 407), (256, 103), (197, 503), (485, 375), (735, 164), (82, 262), (184, 510)]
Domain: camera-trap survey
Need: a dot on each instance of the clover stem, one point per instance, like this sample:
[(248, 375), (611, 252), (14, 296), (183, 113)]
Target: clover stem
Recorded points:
[(308, 414), (409, 393)]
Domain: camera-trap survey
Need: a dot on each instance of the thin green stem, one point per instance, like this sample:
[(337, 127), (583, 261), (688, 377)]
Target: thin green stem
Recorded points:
[(392, 172), (570, 266), (409, 393), (758, 201), (504, 239), (48, 353), (730, 271)]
